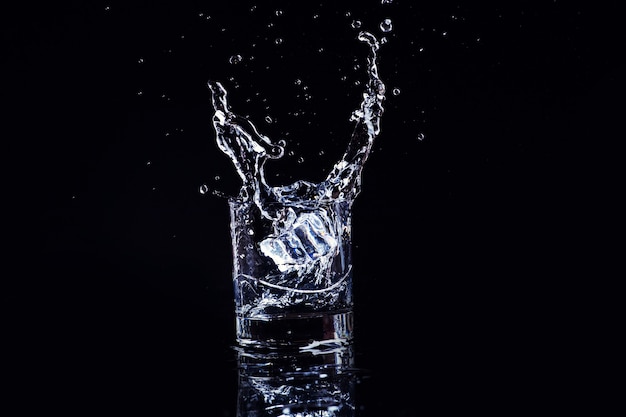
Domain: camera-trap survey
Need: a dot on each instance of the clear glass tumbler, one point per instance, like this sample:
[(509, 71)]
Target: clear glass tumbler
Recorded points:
[(292, 273)]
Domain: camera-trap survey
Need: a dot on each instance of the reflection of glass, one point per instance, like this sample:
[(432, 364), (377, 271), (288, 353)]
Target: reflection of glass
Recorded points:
[(305, 383), (292, 274)]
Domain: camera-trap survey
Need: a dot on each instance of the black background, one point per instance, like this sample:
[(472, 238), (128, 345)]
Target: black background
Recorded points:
[(118, 297)]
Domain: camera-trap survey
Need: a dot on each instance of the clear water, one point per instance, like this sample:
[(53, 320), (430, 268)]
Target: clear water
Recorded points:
[(249, 150), (291, 242)]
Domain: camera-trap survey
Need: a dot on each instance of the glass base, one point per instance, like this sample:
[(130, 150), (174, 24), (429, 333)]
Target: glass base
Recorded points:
[(316, 331)]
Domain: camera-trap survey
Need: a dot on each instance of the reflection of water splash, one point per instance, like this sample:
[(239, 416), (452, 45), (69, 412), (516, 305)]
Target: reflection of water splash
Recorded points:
[(307, 383), (249, 150)]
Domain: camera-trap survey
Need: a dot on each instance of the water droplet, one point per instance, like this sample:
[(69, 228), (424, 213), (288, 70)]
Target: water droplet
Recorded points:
[(204, 189), (298, 81), (148, 163), (396, 91), (235, 59), (140, 60), (386, 25), (140, 93)]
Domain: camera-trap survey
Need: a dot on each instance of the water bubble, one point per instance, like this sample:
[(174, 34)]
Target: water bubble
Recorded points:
[(386, 25), (204, 189), (300, 160), (420, 136), (140, 61), (268, 119), (386, 1), (235, 59), (356, 24), (298, 81), (148, 163), (279, 12), (140, 93), (217, 178), (278, 41), (395, 91)]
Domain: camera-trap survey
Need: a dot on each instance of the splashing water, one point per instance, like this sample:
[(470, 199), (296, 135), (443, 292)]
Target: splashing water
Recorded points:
[(249, 150), (302, 255)]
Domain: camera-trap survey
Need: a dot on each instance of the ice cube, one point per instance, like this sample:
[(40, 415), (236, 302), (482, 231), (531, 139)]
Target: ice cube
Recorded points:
[(305, 240)]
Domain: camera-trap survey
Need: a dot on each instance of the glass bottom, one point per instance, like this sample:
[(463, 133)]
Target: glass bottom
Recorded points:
[(313, 331)]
